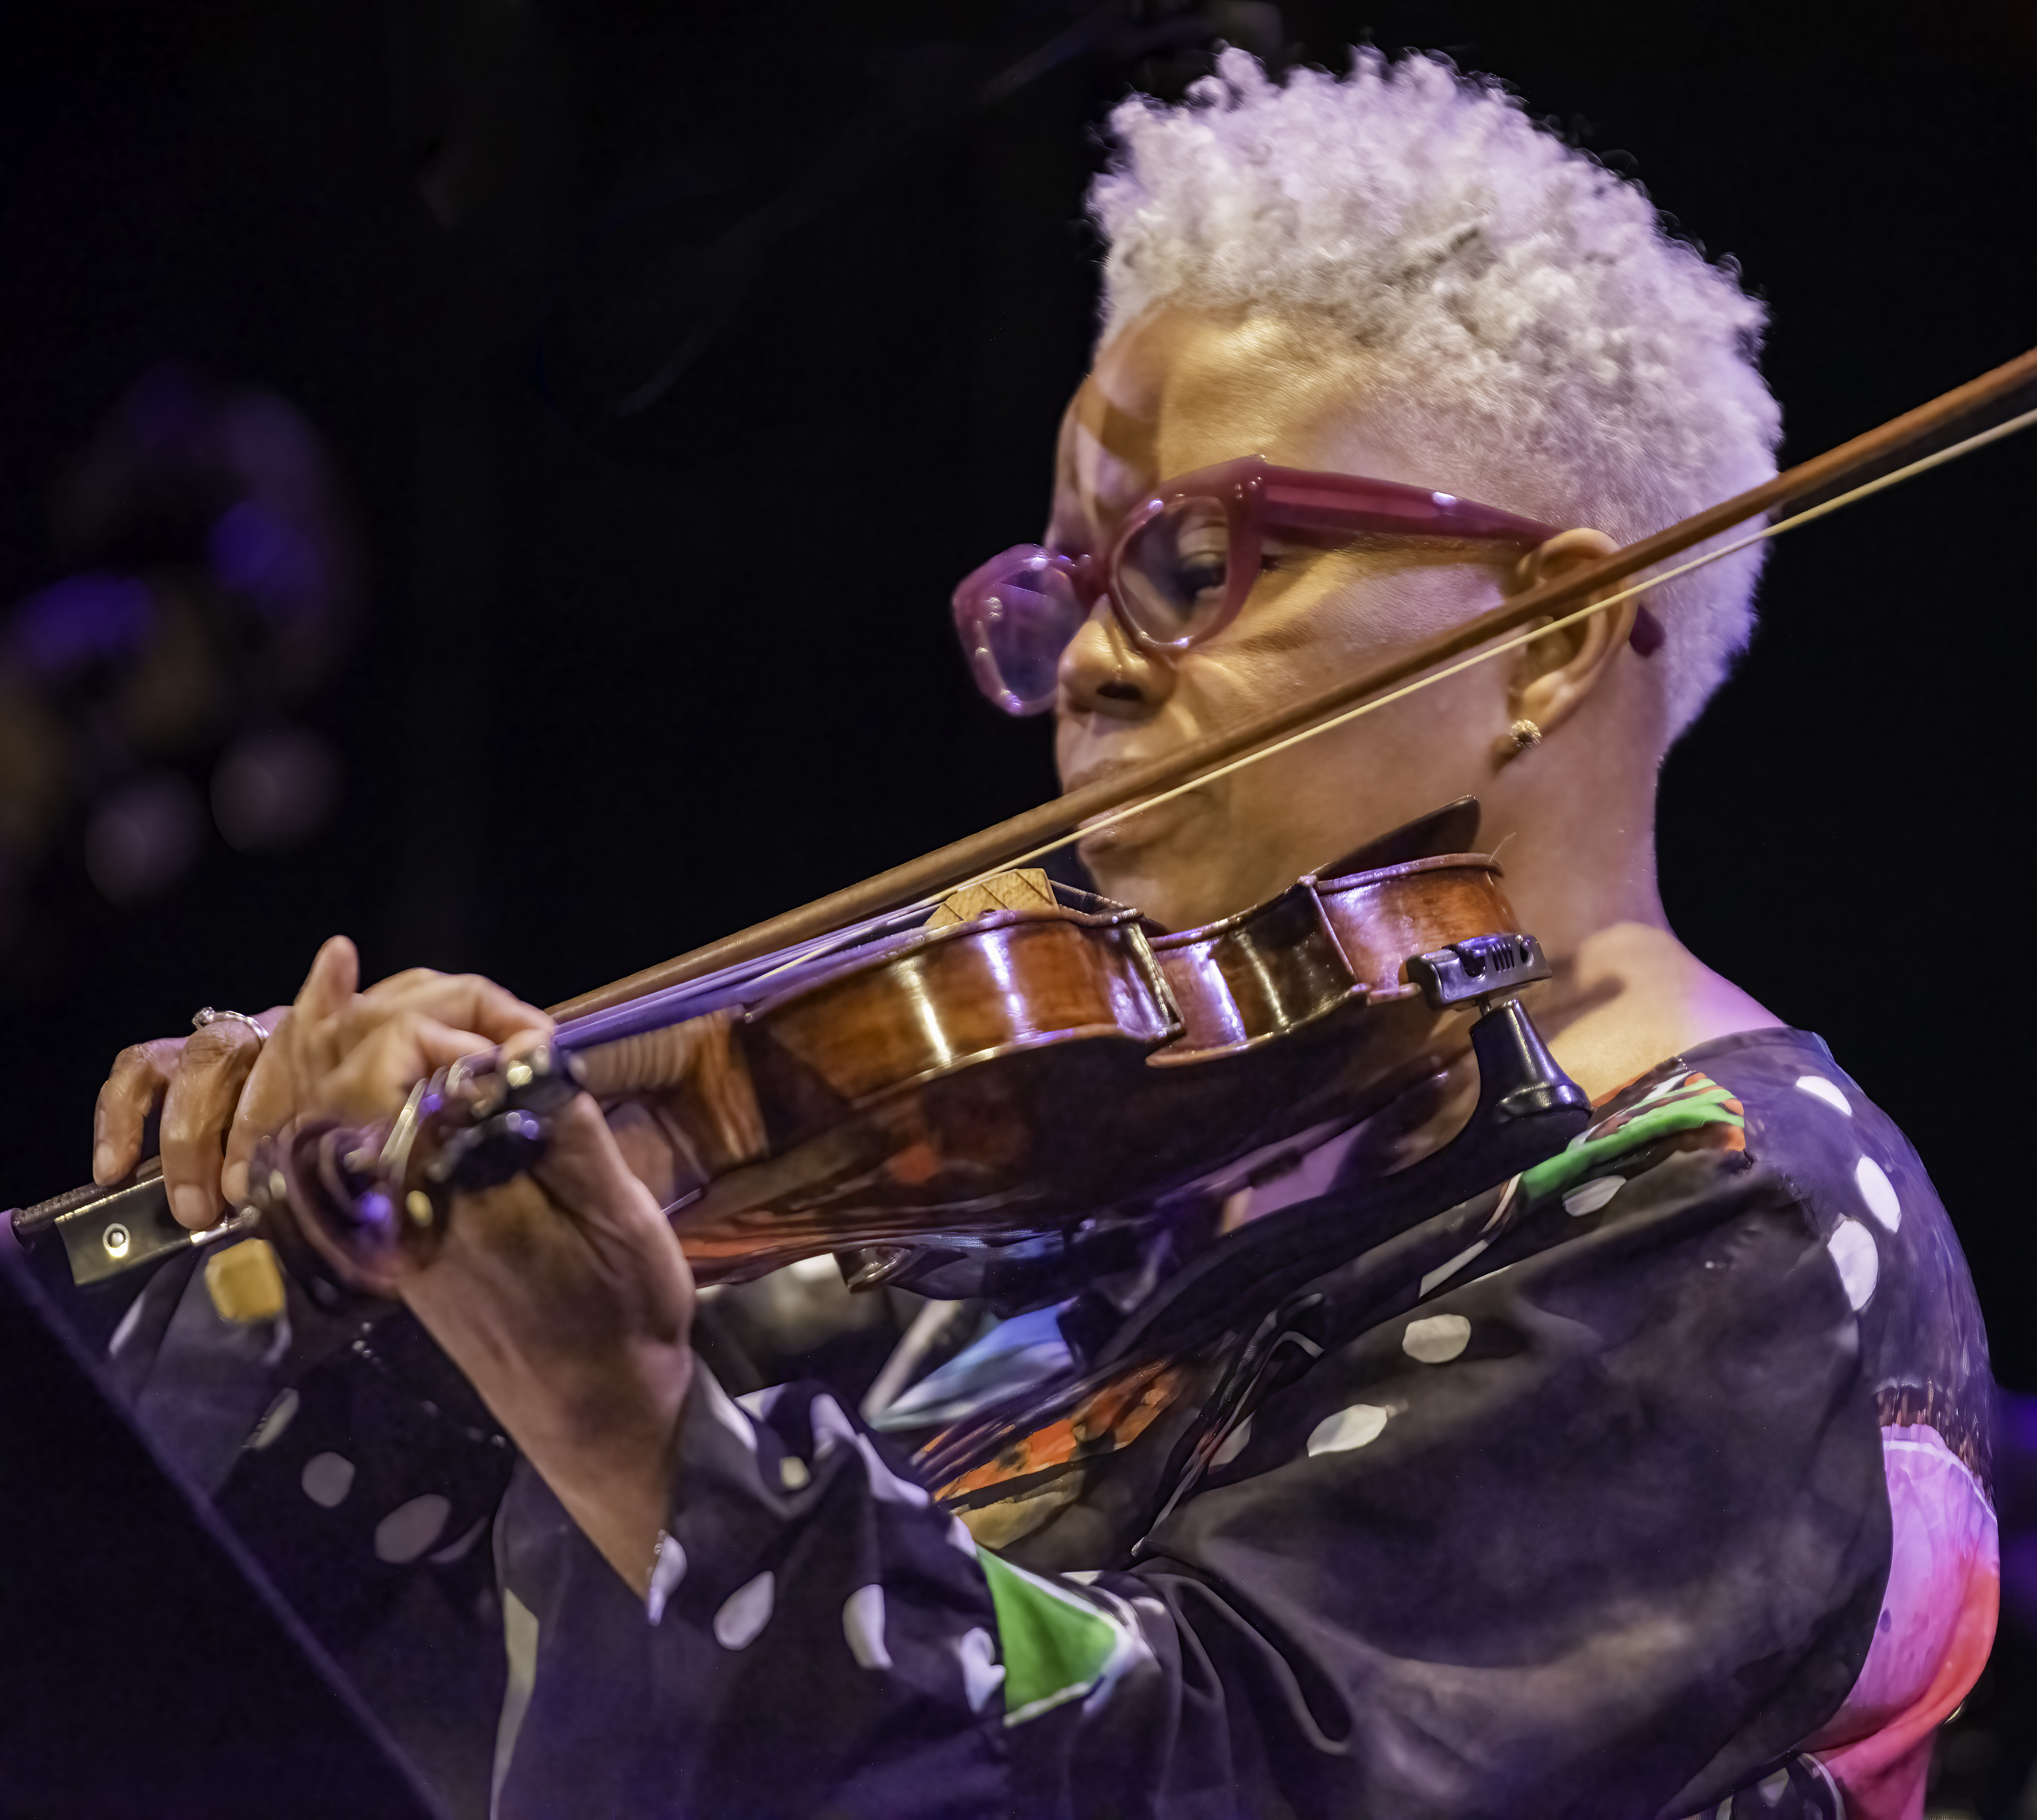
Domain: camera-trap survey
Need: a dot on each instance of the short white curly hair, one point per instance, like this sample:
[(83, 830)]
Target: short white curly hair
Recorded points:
[(1532, 326)]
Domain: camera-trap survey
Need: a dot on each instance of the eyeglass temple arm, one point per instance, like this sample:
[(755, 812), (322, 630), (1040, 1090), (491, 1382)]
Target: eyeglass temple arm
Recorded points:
[(1310, 504)]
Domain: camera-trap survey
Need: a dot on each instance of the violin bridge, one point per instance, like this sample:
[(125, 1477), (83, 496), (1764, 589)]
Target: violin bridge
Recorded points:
[(1029, 889)]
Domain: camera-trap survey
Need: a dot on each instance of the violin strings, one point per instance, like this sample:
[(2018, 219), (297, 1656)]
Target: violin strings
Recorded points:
[(1113, 818)]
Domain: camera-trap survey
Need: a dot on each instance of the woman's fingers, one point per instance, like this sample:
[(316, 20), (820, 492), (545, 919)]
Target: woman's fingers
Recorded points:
[(375, 1076), (485, 1014), (335, 1048), (134, 1086), (464, 999), (198, 1109), (327, 991), (396, 982), (356, 1055), (624, 1229), (264, 1104), (584, 1168), (295, 1055), (385, 1042)]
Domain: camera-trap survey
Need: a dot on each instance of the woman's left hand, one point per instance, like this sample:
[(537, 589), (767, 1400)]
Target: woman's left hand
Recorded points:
[(563, 1295)]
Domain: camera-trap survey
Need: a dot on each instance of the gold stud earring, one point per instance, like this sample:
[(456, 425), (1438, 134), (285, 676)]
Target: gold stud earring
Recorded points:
[(1522, 736)]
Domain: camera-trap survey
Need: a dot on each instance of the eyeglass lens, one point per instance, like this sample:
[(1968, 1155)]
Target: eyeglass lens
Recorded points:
[(1024, 619), (1172, 573)]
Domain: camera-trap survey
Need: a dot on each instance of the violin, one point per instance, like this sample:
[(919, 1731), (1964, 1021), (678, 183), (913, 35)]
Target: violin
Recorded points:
[(1028, 1061), (958, 1065)]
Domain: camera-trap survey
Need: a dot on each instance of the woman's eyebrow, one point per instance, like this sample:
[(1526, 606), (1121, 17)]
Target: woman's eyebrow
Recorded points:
[(1290, 633)]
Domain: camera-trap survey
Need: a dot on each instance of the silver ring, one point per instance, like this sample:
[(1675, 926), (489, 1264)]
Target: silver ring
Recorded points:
[(206, 1015)]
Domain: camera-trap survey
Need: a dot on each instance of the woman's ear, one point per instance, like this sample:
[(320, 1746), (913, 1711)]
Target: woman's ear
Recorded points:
[(1552, 675)]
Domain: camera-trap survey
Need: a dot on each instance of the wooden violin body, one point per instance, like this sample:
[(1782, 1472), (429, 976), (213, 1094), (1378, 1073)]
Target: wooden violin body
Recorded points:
[(1007, 1074), (1004, 1076)]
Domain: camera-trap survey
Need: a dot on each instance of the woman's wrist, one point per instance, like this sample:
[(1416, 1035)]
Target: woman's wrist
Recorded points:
[(613, 1470)]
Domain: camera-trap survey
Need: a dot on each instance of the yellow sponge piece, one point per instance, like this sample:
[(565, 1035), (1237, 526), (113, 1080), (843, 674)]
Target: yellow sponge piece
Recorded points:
[(246, 1282)]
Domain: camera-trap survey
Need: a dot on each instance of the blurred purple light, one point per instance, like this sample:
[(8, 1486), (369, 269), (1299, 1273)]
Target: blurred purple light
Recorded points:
[(257, 554), (142, 836), (273, 788), (80, 621)]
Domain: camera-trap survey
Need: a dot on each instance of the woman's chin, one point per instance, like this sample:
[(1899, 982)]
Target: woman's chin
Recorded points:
[(1182, 863), (1121, 875), (1172, 895)]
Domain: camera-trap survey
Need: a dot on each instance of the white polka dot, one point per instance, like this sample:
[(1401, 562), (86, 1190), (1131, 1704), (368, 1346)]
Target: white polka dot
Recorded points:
[(792, 1474), (277, 1418), (410, 1529), (744, 1613), (125, 1332), (1878, 1192), (668, 1567), (326, 1479), (982, 1674), (520, 1649), (1437, 1340), (1444, 1271), (456, 1550), (1819, 1088), (1593, 1195), (958, 1536), (1852, 1249), (1351, 1427), (831, 1427), (722, 1407), (1233, 1443), (884, 1484), (863, 1624)]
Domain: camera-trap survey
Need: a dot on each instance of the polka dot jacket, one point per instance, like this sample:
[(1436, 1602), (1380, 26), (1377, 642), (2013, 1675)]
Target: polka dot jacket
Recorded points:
[(1653, 1482)]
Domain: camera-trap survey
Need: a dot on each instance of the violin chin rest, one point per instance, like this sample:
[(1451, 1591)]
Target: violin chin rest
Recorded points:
[(1452, 829), (1477, 969)]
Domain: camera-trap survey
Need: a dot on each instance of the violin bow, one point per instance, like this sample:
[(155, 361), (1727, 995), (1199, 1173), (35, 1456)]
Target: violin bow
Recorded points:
[(1880, 458)]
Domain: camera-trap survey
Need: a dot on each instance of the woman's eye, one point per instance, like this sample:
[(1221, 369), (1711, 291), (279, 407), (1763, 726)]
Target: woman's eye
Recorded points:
[(1201, 574)]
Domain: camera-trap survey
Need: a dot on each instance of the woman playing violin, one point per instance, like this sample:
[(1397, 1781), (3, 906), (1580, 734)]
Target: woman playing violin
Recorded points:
[(1653, 1479)]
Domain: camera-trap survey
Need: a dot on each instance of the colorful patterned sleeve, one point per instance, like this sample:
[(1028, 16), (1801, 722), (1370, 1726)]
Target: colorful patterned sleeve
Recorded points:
[(1600, 1526), (819, 1638)]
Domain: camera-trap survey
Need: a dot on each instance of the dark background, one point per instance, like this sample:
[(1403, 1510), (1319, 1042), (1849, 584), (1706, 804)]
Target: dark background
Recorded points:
[(622, 680)]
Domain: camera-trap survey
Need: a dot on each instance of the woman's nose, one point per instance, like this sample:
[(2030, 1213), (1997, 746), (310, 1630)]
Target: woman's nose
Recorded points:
[(1103, 672)]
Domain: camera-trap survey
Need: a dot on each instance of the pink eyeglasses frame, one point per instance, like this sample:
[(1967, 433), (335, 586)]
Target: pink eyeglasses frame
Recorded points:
[(1255, 496)]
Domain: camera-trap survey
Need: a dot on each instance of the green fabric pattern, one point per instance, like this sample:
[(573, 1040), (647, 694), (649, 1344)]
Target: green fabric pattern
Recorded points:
[(1567, 1168), (1056, 1645)]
